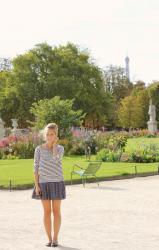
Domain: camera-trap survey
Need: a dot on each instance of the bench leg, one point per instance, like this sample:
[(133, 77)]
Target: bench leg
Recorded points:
[(135, 169), (71, 178), (96, 180), (83, 181)]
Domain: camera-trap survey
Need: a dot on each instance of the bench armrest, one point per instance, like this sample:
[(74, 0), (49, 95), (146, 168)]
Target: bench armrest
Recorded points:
[(77, 165)]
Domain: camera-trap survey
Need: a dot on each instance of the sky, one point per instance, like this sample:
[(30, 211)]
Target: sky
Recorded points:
[(109, 29)]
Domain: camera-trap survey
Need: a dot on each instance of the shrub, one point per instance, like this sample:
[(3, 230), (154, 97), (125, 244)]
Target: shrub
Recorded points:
[(12, 147), (76, 147), (112, 141), (23, 150), (142, 133), (108, 156), (145, 153)]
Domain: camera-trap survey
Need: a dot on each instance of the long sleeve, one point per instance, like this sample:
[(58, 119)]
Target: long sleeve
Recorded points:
[(36, 160), (59, 153), (48, 164)]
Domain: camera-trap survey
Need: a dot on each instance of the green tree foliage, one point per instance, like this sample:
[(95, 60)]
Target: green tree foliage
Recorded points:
[(119, 86), (59, 111), (68, 72), (116, 82), (137, 87), (141, 92), (8, 97), (65, 71), (130, 113)]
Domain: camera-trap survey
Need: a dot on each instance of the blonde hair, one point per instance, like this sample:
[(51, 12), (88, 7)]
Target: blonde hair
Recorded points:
[(50, 126)]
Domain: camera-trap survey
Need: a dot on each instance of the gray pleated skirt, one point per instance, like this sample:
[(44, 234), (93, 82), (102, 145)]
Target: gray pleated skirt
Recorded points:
[(51, 191)]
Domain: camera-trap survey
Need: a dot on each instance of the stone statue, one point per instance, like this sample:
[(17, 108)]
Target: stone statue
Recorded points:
[(152, 111), (2, 129), (15, 126), (152, 123)]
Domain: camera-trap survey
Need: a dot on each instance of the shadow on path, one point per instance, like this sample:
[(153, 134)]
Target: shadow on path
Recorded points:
[(67, 248), (108, 188)]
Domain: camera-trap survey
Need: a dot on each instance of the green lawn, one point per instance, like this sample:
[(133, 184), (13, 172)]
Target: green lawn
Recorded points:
[(20, 172), (133, 143)]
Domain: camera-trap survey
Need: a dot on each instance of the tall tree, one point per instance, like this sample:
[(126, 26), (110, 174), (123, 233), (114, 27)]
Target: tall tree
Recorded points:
[(130, 113), (141, 92), (9, 103), (119, 86), (116, 82), (66, 71)]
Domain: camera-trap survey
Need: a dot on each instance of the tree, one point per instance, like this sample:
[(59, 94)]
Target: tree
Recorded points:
[(9, 103), (119, 86), (65, 71), (138, 86), (117, 83), (58, 111), (143, 101), (141, 92), (130, 112)]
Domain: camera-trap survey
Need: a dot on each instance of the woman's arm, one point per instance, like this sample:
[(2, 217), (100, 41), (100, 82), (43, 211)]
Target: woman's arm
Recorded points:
[(36, 180), (58, 152), (36, 166)]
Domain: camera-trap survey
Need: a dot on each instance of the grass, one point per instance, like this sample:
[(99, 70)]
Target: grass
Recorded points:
[(133, 143), (20, 172)]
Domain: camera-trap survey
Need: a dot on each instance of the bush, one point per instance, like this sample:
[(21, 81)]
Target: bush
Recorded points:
[(2, 153), (142, 133), (76, 147), (24, 150), (151, 136), (23, 147), (124, 157), (108, 156), (145, 153), (112, 141)]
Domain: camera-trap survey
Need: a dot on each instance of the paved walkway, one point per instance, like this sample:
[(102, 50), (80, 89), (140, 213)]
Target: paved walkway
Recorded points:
[(121, 215)]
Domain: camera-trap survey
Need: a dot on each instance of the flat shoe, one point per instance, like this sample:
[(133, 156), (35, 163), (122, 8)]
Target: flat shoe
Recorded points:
[(48, 244), (54, 244)]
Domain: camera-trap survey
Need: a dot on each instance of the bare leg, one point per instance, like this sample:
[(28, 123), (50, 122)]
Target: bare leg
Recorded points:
[(56, 205), (47, 217)]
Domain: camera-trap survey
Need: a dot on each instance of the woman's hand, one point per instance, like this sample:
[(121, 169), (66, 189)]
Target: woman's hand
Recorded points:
[(54, 146), (55, 141), (38, 190)]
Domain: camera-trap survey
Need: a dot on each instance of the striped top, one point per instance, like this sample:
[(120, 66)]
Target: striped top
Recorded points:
[(47, 166)]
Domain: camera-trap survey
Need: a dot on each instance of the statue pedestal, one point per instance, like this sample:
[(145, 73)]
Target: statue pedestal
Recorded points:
[(152, 126), (14, 132)]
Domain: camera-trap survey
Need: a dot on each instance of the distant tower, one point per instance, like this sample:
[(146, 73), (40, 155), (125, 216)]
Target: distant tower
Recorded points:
[(127, 67)]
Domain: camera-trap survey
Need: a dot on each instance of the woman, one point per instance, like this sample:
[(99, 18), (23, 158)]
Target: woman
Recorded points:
[(49, 181)]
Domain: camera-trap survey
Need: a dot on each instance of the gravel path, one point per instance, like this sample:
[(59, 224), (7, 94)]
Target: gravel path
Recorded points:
[(121, 215)]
